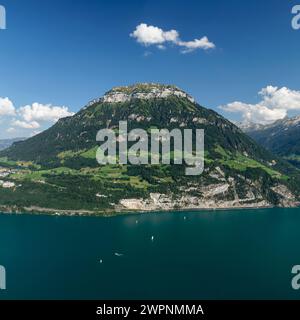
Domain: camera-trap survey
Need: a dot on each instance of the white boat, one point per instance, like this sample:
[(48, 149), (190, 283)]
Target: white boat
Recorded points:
[(118, 254), (152, 238)]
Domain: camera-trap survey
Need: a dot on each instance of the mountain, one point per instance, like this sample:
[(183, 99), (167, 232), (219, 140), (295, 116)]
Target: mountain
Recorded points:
[(56, 170), (247, 126), (281, 137), (5, 143)]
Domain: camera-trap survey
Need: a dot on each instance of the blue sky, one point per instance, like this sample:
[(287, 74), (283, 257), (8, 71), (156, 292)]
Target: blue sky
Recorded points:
[(65, 53)]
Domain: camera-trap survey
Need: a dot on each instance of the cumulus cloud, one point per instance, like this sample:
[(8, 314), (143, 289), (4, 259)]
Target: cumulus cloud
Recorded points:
[(41, 112), (26, 119), (274, 105), (202, 43), (25, 125), (150, 35), (6, 107)]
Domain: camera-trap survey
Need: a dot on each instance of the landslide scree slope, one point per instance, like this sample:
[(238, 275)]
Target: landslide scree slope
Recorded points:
[(57, 170)]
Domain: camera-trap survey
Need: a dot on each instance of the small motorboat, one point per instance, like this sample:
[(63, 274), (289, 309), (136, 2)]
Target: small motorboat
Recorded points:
[(119, 254)]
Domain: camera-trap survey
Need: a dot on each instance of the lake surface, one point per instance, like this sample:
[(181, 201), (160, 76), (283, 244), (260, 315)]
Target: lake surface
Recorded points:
[(236, 254)]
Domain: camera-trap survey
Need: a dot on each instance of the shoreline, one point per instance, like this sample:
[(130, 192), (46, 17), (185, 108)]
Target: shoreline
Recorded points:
[(115, 213)]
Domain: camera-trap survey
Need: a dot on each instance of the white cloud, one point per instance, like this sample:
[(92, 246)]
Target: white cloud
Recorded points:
[(41, 112), (10, 130), (151, 35), (6, 107), (274, 105), (24, 121), (148, 35), (161, 47), (202, 43), (25, 125), (277, 98)]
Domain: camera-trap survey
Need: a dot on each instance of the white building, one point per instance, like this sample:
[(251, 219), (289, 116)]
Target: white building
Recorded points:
[(8, 184)]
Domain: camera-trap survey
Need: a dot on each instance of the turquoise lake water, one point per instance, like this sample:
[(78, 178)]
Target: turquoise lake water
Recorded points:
[(235, 254)]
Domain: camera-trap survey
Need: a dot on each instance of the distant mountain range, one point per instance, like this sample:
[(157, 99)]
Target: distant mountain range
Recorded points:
[(281, 137), (56, 170), (5, 143)]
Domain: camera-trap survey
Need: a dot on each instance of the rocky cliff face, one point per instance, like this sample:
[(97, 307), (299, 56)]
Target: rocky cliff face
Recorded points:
[(144, 91)]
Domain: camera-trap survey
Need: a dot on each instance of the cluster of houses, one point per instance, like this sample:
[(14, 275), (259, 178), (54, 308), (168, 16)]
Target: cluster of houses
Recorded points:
[(5, 172)]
